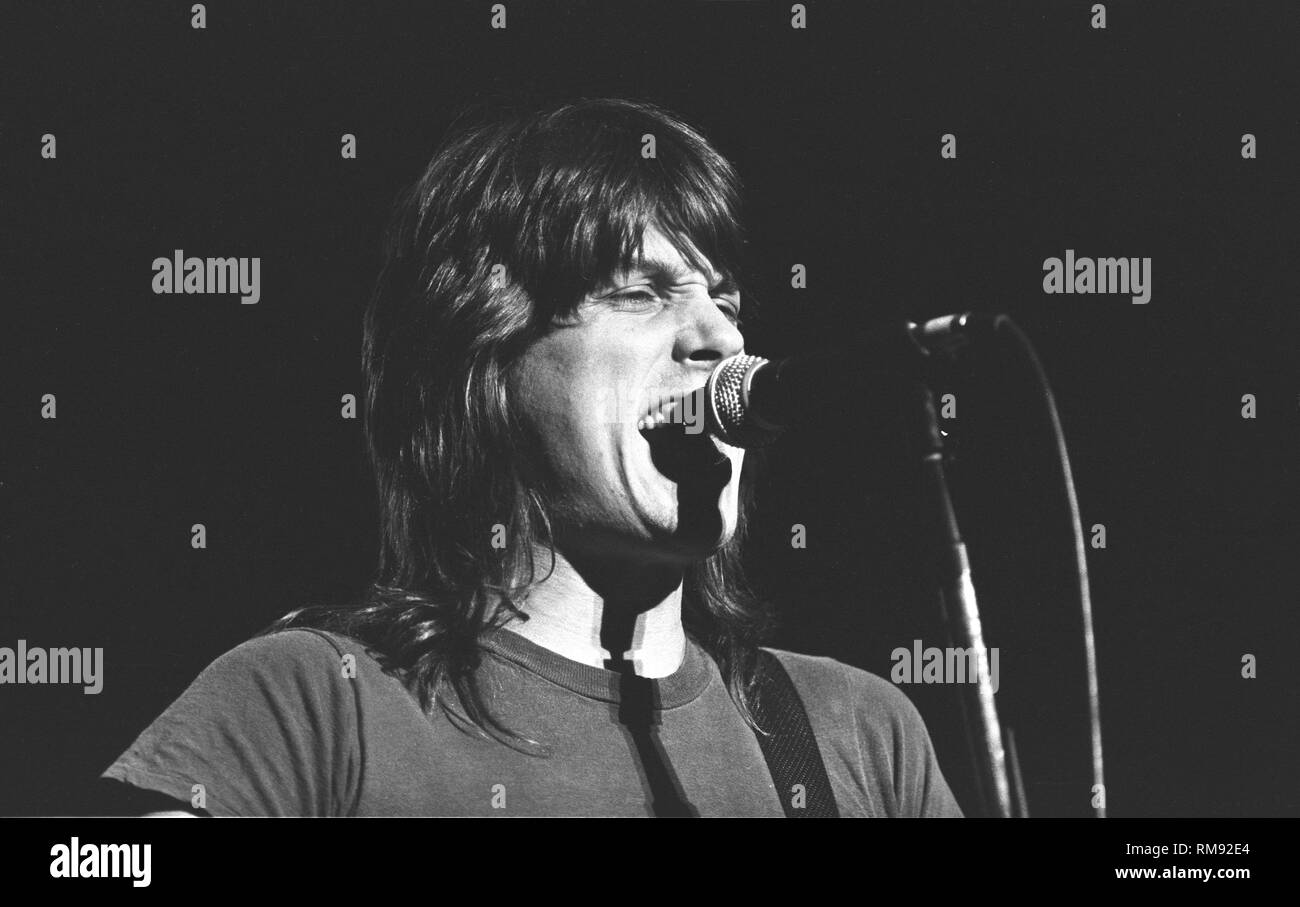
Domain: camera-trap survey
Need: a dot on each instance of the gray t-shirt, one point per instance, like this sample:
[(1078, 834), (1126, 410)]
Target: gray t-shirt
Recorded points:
[(289, 725)]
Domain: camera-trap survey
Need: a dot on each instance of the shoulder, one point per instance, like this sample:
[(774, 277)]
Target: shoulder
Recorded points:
[(287, 677), (873, 740), (297, 653), (270, 727), (269, 667), (294, 684), (296, 645), (827, 683), (306, 639)]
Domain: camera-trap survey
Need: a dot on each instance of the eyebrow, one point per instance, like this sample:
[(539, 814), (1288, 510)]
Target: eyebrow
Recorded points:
[(674, 271)]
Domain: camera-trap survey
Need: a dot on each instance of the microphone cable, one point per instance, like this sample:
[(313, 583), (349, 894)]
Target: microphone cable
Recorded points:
[(1002, 324)]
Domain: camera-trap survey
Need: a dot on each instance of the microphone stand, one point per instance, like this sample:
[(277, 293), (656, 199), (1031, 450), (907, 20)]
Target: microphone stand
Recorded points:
[(962, 617)]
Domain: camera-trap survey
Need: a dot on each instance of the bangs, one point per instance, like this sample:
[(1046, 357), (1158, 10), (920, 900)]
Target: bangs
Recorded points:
[(586, 194)]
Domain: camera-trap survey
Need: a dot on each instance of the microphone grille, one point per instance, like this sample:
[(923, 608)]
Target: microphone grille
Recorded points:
[(728, 396)]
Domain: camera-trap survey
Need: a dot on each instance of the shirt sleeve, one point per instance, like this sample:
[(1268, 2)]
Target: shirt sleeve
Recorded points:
[(873, 741), (268, 729), (920, 789), (929, 788)]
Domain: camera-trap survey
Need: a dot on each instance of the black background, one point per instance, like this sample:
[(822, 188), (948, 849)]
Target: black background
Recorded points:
[(174, 410)]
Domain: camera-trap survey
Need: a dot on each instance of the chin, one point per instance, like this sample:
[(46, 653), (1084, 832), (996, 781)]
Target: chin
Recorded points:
[(681, 496), (697, 537)]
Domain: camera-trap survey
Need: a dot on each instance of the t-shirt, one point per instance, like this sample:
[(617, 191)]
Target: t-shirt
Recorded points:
[(304, 722)]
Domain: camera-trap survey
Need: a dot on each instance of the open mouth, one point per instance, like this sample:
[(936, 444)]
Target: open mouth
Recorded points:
[(680, 448)]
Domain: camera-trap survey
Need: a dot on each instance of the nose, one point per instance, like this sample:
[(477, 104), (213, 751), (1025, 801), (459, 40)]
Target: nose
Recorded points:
[(707, 335)]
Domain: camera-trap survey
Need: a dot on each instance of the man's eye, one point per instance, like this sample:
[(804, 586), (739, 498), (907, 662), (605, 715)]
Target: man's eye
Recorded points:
[(634, 296), (731, 310)]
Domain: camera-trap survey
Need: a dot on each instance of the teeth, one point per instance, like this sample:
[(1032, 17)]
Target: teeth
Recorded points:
[(657, 417)]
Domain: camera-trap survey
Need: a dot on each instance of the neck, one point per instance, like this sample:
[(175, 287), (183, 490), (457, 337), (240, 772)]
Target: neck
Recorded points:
[(620, 617)]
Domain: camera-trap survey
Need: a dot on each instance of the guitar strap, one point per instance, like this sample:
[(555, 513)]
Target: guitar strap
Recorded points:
[(789, 745)]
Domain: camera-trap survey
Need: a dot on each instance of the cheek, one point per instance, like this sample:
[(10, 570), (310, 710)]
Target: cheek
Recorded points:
[(566, 415), (544, 383), (559, 397), (581, 381)]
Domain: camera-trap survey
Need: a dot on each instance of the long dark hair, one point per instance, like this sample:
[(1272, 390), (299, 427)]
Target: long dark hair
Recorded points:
[(559, 198)]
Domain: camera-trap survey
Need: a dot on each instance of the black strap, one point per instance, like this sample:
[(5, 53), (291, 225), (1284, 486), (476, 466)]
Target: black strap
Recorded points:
[(789, 745)]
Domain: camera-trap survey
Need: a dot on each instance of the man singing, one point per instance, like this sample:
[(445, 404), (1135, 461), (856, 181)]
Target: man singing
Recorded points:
[(558, 624)]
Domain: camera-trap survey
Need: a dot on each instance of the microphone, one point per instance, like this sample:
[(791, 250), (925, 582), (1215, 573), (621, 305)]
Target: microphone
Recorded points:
[(748, 401)]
